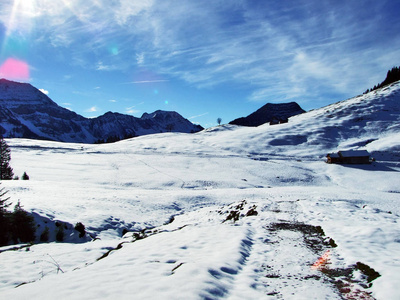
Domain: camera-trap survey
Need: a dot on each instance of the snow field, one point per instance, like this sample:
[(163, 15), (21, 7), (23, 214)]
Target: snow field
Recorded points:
[(206, 184)]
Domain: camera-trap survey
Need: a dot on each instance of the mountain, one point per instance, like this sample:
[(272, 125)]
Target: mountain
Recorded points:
[(27, 112), (270, 112)]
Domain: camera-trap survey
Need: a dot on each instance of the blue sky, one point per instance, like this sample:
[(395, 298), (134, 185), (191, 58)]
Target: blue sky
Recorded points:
[(204, 59)]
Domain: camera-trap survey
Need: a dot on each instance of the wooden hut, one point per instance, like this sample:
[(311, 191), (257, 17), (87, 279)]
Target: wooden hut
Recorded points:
[(349, 157)]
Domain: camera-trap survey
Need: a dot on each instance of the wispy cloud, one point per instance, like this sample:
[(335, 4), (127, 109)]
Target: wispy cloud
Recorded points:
[(198, 116), (101, 66), (140, 58), (149, 81), (92, 109), (278, 50), (132, 111)]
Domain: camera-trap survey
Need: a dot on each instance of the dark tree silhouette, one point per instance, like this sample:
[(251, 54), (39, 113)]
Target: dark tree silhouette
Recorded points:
[(6, 172), (4, 218), (219, 120), (25, 176), (23, 225), (392, 75)]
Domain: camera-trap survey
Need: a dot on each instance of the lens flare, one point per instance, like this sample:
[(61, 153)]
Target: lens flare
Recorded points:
[(14, 69), (114, 50)]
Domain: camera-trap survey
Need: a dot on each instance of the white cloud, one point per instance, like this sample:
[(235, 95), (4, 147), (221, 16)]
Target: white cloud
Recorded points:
[(44, 91), (113, 101), (128, 9), (102, 67), (132, 111), (92, 109), (140, 58)]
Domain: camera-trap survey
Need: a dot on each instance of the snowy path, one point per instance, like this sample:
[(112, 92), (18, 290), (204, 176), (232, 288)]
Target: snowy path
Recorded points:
[(279, 262)]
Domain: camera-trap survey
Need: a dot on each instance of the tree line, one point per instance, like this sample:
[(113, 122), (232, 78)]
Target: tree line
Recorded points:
[(392, 75), (18, 225)]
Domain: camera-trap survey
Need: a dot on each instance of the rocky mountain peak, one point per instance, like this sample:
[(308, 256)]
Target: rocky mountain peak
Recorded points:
[(27, 112)]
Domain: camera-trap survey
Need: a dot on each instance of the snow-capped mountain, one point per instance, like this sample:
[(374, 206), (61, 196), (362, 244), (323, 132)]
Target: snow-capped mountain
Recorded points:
[(270, 112), (27, 112)]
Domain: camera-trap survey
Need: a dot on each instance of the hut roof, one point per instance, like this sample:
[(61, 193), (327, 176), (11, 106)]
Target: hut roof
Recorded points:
[(353, 153)]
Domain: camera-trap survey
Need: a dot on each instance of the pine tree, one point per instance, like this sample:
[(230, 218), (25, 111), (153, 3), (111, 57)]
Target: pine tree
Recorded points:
[(25, 176), (3, 204), (23, 225), (4, 218), (6, 172)]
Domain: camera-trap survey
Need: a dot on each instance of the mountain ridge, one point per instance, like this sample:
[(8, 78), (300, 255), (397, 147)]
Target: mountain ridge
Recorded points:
[(26, 112)]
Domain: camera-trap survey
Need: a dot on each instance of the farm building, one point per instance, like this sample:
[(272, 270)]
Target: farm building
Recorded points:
[(349, 157), (276, 121)]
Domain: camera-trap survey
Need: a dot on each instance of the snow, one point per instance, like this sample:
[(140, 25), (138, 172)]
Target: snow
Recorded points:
[(354, 153), (189, 202)]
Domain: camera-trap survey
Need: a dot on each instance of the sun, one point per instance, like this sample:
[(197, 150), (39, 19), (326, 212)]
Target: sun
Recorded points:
[(26, 7), (20, 16)]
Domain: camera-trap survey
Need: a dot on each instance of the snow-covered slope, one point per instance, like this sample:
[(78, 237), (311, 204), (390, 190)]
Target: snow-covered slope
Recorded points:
[(227, 213), (27, 112)]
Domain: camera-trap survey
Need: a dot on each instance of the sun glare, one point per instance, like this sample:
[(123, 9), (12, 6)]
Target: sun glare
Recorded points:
[(20, 17)]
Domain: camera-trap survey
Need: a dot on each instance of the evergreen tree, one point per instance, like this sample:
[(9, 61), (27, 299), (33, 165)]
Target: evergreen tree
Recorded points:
[(25, 176), (392, 75), (4, 218), (6, 172), (3, 204), (23, 225)]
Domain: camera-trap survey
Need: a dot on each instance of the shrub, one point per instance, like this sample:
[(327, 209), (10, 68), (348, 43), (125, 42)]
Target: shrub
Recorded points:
[(60, 234), (25, 176), (367, 271), (81, 229), (44, 237)]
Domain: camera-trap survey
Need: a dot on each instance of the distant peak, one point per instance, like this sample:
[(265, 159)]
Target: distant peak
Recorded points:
[(159, 113)]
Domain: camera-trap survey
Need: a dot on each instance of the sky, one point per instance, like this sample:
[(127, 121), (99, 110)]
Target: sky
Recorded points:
[(204, 59)]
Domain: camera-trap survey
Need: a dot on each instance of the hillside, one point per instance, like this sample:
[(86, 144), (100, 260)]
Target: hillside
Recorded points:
[(227, 213), (25, 112)]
